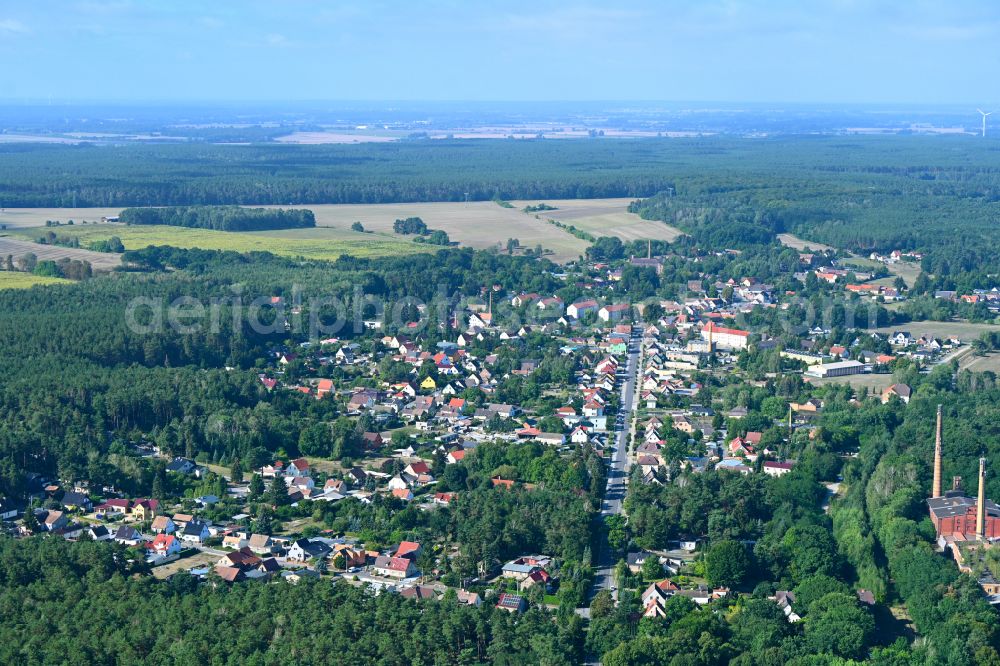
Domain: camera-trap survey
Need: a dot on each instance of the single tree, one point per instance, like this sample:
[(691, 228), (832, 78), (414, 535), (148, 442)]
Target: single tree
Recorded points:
[(256, 490), (727, 563)]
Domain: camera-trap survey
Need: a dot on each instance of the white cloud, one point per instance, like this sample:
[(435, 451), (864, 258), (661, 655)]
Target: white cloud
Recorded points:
[(13, 26)]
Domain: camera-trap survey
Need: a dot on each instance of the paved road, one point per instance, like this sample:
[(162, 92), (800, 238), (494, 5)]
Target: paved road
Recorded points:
[(618, 469)]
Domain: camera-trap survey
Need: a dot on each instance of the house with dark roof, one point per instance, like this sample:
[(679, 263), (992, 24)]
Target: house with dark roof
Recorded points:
[(99, 533), (184, 466), (513, 603), (128, 535), (304, 550), (195, 531), (72, 501)]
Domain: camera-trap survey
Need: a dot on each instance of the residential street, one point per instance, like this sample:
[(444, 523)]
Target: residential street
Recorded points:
[(618, 470)]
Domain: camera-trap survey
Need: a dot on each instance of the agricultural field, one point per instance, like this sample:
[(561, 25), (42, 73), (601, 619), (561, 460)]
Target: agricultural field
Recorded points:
[(965, 331), (321, 245), (478, 224), (15, 280), (486, 224), (37, 217), (604, 217), (100, 261), (975, 363), (801, 245)]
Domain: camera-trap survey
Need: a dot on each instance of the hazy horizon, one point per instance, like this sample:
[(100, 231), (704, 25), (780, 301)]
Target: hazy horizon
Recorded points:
[(834, 52)]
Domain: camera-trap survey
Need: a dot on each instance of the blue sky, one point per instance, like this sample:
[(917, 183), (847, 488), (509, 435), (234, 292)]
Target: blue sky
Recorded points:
[(906, 51)]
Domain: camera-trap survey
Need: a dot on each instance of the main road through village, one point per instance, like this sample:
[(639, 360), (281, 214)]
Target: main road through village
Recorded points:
[(614, 495)]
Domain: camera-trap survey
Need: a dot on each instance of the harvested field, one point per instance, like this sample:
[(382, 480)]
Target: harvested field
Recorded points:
[(478, 224), (101, 261), (485, 224), (15, 280), (37, 217), (797, 243), (604, 217), (974, 363)]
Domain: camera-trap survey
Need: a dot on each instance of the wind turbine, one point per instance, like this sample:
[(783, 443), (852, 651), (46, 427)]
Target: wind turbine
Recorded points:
[(984, 114)]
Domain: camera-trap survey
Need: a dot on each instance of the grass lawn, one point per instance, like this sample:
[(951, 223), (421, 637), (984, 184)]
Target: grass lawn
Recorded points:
[(861, 262), (15, 280), (320, 244)]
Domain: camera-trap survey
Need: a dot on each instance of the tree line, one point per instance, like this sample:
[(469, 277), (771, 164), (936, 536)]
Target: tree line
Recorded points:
[(221, 218)]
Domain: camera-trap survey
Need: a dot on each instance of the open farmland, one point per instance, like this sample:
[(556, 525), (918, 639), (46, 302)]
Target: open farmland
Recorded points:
[(100, 261), (15, 280), (801, 245), (326, 245), (604, 217), (478, 224), (485, 224), (976, 363), (37, 217)]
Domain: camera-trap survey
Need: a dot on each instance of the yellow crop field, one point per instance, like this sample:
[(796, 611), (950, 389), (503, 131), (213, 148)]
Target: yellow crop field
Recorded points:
[(320, 244), (15, 280)]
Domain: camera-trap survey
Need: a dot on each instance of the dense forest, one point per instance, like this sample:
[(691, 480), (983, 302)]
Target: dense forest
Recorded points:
[(862, 195), (938, 195), (221, 218), (77, 603), (445, 170)]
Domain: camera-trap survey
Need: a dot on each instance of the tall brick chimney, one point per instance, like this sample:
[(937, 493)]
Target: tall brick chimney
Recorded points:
[(981, 502), (936, 490)]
